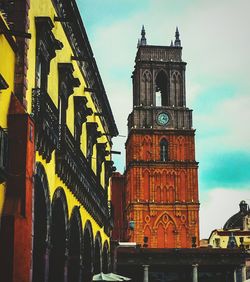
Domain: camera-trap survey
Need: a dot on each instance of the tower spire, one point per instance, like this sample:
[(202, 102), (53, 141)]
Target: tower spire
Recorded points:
[(143, 40), (177, 41)]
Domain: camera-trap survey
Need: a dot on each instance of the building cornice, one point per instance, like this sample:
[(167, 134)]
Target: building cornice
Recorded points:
[(77, 37)]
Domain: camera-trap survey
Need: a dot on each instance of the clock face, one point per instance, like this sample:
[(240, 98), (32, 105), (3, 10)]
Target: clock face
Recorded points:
[(162, 118)]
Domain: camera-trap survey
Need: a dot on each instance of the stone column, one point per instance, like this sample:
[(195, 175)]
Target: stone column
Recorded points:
[(243, 273), (195, 272), (235, 275), (145, 276), (115, 259)]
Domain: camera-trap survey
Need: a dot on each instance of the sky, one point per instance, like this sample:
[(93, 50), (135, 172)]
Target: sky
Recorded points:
[(215, 37)]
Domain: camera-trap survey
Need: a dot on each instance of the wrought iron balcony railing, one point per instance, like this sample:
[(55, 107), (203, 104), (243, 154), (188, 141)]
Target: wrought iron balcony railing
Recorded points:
[(72, 167), (45, 115)]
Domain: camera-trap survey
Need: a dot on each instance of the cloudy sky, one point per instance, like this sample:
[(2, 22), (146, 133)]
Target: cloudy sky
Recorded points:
[(215, 37)]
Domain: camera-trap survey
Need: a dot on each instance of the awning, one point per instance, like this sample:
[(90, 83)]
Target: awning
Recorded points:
[(109, 277)]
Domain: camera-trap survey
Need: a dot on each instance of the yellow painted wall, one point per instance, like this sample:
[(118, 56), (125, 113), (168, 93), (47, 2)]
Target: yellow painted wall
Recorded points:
[(2, 196), (55, 182), (7, 66), (224, 239), (46, 9)]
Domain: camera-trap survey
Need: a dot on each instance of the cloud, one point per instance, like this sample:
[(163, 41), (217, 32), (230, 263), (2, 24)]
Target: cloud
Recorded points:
[(216, 42), (217, 39), (215, 47), (215, 211), (225, 126), (228, 169), (99, 12)]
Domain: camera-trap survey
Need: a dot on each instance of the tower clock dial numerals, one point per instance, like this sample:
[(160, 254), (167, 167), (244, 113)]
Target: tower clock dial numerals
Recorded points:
[(162, 118)]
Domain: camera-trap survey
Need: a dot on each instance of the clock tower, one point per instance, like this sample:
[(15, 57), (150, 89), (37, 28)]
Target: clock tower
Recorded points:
[(161, 177)]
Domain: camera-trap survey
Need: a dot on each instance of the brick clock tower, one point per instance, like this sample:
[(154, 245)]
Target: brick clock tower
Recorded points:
[(161, 177)]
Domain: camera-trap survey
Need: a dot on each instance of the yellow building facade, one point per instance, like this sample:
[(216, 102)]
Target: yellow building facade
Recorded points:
[(61, 213), (220, 238)]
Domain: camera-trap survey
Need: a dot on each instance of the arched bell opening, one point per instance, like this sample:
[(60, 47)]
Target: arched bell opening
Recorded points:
[(161, 90)]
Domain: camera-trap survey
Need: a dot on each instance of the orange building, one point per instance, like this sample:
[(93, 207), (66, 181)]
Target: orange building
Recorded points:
[(162, 205)]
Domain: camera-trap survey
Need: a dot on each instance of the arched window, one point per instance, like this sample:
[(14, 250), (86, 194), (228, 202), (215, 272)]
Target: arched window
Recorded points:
[(146, 97), (164, 150), (177, 89), (161, 90)]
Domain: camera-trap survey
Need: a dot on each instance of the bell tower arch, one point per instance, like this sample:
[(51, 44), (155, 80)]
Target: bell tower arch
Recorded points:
[(161, 170)]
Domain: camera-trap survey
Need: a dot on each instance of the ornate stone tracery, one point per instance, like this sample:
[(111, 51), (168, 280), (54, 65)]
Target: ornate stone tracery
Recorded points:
[(161, 171)]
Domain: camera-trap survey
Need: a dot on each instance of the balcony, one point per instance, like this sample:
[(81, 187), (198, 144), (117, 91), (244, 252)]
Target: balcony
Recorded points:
[(45, 114), (74, 170), (3, 154), (71, 165)]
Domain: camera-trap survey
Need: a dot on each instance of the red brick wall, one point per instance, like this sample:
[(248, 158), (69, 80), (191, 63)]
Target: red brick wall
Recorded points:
[(118, 201), (162, 198), (18, 16), (16, 231)]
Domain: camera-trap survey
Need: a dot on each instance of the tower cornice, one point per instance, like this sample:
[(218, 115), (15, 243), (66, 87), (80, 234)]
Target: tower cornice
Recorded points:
[(153, 164), (163, 132), (159, 53)]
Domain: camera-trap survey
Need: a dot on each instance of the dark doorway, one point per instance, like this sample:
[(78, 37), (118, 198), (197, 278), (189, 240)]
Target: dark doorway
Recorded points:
[(97, 258), (74, 247), (40, 231), (58, 239), (87, 253), (105, 258)]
